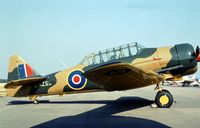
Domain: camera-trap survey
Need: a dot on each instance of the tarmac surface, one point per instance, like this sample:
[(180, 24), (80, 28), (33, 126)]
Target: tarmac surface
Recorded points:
[(127, 109)]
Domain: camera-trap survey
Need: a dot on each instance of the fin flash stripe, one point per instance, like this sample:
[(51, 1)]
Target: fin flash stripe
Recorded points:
[(25, 70)]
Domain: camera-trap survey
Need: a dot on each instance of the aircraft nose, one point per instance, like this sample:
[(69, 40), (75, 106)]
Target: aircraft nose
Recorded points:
[(198, 58), (197, 54)]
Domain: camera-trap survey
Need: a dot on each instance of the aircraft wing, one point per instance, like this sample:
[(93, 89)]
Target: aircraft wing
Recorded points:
[(20, 82), (121, 76)]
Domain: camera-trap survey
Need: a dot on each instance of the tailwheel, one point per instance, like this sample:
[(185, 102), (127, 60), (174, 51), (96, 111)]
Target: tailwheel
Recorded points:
[(164, 99), (35, 101)]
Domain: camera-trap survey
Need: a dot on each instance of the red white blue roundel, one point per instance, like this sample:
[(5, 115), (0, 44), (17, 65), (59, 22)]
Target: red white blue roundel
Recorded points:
[(76, 80)]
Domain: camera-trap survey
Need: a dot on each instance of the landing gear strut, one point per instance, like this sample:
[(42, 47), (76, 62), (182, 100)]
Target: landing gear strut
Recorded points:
[(163, 98), (34, 99)]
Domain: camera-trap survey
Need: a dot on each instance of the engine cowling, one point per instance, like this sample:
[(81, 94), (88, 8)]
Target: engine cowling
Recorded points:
[(183, 54)]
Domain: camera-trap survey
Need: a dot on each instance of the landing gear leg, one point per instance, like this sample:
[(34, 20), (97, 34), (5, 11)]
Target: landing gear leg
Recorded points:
[(158, 87), (163, 98), (34, 99)]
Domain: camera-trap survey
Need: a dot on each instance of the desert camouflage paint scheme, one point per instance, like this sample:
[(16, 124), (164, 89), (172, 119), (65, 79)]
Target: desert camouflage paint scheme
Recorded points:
[(147, 66)]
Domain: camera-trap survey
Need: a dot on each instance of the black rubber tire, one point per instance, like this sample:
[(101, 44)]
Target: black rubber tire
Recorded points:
[(164, 93)]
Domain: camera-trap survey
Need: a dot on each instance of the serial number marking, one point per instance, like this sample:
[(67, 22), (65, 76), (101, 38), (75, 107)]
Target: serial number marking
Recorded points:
[(45, 84)]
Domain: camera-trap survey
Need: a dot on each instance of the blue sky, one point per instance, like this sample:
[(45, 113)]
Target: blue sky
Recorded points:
[(45, 32)]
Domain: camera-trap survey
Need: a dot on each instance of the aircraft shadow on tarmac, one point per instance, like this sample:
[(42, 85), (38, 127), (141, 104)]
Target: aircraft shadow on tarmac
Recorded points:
[(102, 117)]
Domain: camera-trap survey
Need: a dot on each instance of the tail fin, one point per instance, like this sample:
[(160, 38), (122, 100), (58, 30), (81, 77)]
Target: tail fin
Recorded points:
[(19, 69)]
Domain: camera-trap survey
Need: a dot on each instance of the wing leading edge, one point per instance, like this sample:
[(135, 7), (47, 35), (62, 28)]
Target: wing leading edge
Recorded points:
[(122, 76)]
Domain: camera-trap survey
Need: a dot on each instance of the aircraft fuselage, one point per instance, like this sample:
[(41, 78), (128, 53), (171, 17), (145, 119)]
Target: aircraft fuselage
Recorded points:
[(171, 62)]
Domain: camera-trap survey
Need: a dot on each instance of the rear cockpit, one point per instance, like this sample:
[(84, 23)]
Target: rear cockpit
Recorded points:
[(115, 53)]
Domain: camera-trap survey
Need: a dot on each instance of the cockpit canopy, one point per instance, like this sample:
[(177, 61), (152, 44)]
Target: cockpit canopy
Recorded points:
[(112, 54)]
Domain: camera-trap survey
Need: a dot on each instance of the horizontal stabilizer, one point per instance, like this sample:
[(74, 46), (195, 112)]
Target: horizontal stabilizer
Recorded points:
[(26, 81)]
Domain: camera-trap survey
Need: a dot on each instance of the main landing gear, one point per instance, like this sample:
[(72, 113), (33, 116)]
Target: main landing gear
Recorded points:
[(34, 99), (163, 98)]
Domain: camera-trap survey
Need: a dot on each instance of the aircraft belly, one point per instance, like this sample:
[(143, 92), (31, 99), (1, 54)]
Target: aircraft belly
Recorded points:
[(90, 86)]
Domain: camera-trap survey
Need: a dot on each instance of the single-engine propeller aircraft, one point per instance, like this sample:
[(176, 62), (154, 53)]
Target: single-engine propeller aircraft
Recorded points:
[(125, 67)]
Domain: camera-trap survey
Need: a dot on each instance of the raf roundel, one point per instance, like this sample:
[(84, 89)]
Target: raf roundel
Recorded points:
[(76, 80)]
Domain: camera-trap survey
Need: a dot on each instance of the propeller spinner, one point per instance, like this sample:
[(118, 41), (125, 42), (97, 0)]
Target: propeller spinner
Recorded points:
[(197, 54)]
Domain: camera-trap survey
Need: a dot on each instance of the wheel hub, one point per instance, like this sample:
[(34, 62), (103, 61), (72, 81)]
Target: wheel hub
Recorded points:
[(164, 100)]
